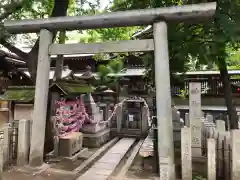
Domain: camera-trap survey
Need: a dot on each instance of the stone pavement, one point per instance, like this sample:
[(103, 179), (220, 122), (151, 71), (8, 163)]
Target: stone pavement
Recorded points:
[(105, 166)]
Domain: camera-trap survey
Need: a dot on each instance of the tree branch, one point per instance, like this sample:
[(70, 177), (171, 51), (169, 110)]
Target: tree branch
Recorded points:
[(11, 8), (13, 49), (59, 9)]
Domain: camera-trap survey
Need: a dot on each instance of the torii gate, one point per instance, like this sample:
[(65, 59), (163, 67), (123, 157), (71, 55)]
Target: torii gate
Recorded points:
[(114, 19)]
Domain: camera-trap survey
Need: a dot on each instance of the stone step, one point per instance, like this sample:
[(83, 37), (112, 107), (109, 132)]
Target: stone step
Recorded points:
[(105, 166)]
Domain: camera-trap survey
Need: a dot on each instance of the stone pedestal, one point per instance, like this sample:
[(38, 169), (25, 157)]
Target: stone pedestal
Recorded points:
[(97, 139), (70, 144)]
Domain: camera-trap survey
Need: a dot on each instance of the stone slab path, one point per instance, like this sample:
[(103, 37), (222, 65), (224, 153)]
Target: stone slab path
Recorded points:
[(105, 166)]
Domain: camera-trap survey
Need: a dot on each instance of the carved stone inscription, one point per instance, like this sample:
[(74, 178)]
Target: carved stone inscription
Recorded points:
[(164, 172), (195, 114), (186, 153)]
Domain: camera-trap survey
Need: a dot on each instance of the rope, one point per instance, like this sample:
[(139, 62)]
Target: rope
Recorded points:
[(123, 101)]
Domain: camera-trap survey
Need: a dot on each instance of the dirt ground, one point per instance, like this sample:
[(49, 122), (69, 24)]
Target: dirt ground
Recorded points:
[(15, 175), (137, 171)]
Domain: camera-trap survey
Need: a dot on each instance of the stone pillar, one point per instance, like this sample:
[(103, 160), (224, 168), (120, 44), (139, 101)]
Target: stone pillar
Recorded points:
[(6, 142), (211, 159), (144, 120), (56, 138), (186, 153), (221, 135), (119, 118), (235, 134), (220, 125), (209, 118), (1, 158), (187, 121), (195, 114), (23, 142), (41, 100), (227, 155), (53, 129), (59, 67), (60, 58), (163, 102), (109, 120)]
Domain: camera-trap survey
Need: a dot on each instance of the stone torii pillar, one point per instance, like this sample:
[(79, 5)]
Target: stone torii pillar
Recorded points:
[(163, 101), (41, 100), (109, 20)]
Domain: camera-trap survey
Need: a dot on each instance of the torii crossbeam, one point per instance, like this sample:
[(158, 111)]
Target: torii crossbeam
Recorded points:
[(141, 17)]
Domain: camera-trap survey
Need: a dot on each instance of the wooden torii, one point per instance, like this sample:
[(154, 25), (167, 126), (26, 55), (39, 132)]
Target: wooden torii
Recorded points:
[(159, 17)]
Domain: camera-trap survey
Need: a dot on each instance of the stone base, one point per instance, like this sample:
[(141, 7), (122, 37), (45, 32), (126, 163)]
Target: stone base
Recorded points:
[(93, 128), (97, 139), (71, 144), (200, 166), (75, 157), (51, 158), (34, 170)]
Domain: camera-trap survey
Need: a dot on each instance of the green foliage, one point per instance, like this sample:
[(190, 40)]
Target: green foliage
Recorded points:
[(198, 178), (183, 94), (114, 66), (192, 46), (107, 34)]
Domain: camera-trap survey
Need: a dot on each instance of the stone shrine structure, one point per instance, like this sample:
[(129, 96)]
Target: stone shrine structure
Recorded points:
[(97, 131), (132, 118)]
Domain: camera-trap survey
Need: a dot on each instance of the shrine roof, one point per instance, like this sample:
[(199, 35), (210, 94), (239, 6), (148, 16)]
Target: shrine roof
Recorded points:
[(26, 93), (73, 86), (19, 93)]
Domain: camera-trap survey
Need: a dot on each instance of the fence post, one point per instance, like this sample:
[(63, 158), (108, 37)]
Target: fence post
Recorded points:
[(227, 157), (23, 142), (187, 121), (235, 134), (119, 118), (6, 142), (1, 159), (211, 159)]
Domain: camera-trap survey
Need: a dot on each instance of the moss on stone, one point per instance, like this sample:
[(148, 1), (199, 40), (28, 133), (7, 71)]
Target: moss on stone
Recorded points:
[(19, 93)]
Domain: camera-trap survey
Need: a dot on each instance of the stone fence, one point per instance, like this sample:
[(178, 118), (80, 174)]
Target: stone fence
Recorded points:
[(219, 151), (15, 143)]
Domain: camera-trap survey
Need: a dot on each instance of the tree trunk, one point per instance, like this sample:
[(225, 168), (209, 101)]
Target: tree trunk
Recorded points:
[(60, 9), (231, 107), (31, 58)]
